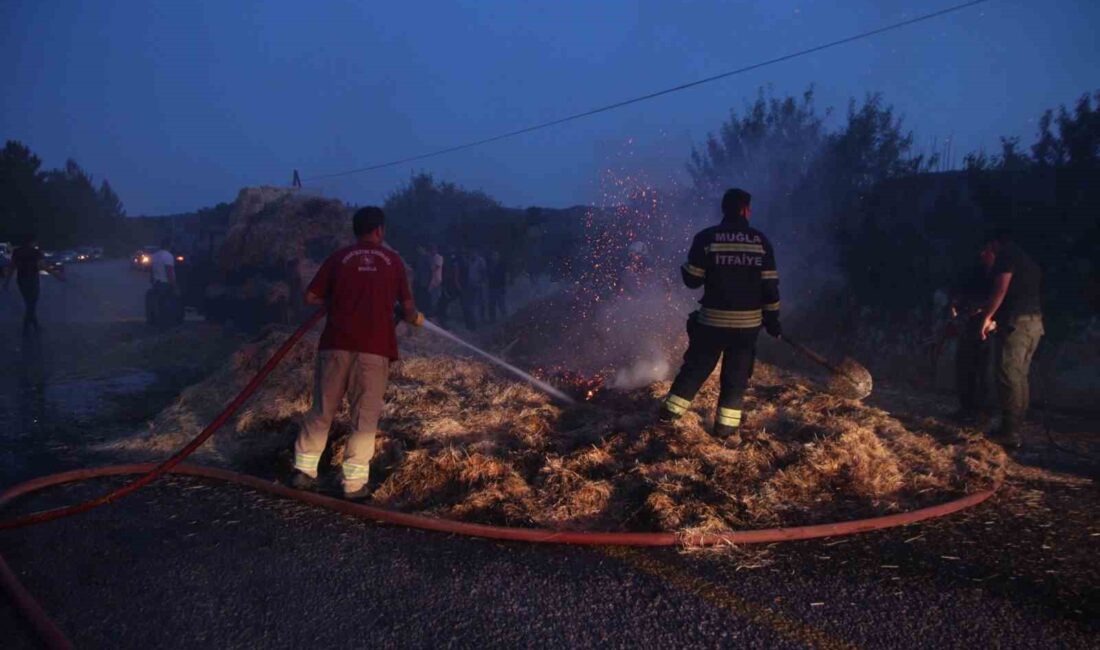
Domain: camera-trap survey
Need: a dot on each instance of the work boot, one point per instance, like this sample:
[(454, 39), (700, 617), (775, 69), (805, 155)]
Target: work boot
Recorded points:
[(665, 416), (1007, 436), (302, 481), (730, 436), (357, 494)]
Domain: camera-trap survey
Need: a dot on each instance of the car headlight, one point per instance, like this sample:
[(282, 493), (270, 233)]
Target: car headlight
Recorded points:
[(179, 258), (144, 259)]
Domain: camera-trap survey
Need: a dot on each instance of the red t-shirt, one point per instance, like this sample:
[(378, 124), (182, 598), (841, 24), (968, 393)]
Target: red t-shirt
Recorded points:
[(360, 285)]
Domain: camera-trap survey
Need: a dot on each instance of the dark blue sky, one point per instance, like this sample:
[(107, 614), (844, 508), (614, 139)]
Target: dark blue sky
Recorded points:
[(179, 104)]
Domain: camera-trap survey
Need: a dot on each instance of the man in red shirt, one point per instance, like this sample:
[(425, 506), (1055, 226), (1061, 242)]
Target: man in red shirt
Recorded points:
[(359, 285)]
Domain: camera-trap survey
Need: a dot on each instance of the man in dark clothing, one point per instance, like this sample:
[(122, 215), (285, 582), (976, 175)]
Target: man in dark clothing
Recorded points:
[(26, 262), (498, 286), (735, 265), (455, 271), (422, 275), (1013, 315), (972, 354)]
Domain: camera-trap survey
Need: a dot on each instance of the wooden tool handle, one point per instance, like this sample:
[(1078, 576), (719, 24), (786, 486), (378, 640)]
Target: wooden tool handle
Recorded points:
[(812, 355)]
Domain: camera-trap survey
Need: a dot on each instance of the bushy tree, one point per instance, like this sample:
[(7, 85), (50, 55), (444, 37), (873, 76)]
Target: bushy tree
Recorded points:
[(773, 144), (432, 208), (1077, 142), (808, 181), (20, 189), (62, 207)]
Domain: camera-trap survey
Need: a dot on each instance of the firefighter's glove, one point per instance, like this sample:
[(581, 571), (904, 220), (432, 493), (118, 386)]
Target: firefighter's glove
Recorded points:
[(773, 327)]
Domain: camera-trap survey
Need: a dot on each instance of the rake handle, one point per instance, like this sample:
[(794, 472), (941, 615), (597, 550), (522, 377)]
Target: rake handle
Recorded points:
[(812, 355)]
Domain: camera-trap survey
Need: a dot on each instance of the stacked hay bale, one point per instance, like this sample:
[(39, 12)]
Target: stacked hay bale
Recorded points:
[(277, 239)]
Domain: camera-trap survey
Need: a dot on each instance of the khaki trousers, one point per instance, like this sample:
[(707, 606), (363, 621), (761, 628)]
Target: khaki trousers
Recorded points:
[(363, 378), (1015, 346)]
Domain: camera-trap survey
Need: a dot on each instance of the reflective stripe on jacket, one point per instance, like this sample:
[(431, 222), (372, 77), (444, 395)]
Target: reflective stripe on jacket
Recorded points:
[(735, 265)]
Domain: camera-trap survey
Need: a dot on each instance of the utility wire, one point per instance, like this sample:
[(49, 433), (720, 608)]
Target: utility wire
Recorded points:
[(659, 93)]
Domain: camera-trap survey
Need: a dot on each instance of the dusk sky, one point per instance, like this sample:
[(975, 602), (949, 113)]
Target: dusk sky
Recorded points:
[(180, 104)]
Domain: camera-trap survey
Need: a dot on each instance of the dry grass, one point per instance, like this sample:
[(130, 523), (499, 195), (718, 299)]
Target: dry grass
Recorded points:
[(462, 441)]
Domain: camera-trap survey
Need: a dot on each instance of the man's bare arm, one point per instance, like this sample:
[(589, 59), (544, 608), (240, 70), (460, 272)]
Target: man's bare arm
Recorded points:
[(1000, 289), (996, 299)]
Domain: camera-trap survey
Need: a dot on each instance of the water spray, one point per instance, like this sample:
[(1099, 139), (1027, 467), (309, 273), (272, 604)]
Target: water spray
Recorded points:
[(534, 381)]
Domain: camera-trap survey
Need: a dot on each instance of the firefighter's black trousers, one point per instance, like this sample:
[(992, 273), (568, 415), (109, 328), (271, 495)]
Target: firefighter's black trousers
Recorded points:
[(736, 348)]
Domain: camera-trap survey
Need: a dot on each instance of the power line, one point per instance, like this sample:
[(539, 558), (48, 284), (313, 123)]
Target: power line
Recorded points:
[(659, 93)]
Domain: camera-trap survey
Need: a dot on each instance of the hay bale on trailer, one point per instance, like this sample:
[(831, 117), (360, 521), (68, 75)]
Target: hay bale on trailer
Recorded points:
[(276, 240)]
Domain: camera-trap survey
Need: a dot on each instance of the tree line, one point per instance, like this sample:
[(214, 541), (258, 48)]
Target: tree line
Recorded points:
[(61, 207), (847, 201), (859, 198)]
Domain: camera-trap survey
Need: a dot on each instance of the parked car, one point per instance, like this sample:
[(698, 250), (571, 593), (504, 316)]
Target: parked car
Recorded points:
[(85, 254), (66, 257), (142, 259), (52, 264)]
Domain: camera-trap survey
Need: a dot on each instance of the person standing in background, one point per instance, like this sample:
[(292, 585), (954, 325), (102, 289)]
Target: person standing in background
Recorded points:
[(435, 281), (162, 293), (498, 286), (454, 288), (477, 283), (461, 267), (422, 274), (26, 263)]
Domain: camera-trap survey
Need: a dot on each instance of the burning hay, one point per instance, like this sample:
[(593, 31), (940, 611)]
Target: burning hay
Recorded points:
[(462, 441)]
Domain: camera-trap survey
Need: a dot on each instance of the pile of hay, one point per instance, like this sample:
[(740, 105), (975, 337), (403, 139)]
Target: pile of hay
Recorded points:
[(276, 240), (463, 441), (271, 226)]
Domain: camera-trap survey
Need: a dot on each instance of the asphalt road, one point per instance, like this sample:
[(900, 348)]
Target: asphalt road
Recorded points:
[(188, 562), (105, 291)]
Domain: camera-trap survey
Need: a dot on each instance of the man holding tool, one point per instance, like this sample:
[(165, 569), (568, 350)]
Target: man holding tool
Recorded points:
[(359, 285), (1014, 313), (735, 265)]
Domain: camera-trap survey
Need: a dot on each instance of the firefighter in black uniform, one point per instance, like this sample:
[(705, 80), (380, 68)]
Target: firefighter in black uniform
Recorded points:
[(735, 264)]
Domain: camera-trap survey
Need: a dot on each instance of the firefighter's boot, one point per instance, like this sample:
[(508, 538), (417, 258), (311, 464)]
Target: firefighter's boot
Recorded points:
[(302, 481), (730, 436), (357, 494), (673, 408)]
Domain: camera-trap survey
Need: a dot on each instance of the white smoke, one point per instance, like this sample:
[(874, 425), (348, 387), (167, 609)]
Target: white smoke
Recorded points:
[(644, 371)]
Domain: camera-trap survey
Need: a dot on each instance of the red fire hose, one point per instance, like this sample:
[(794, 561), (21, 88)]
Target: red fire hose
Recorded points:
[(52, 636)]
